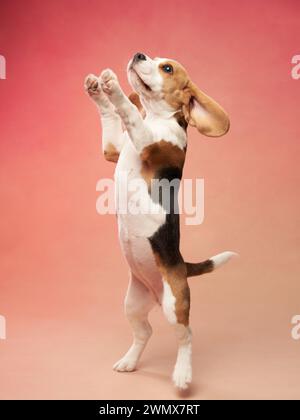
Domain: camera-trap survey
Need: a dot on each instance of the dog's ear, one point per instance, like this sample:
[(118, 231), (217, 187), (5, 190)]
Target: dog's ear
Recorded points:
[(205, 114), (135, 99)]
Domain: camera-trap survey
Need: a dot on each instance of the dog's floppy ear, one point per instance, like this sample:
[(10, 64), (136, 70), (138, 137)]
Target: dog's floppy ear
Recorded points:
[(205, 114), (135, 99)]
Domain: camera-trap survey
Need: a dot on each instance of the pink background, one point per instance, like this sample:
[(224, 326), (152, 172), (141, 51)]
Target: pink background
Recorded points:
[(63, 277)]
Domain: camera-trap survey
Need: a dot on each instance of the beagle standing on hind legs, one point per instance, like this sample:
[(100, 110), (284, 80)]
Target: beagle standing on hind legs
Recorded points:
[(146, 136)]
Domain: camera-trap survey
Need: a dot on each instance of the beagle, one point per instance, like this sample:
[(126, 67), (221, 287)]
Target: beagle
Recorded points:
[(151, 147)]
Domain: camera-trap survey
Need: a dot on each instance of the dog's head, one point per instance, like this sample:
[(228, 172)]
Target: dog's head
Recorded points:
[(164, 86)]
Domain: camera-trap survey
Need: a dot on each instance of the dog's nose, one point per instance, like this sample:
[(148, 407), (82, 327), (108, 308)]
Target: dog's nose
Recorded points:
[(139, 56)]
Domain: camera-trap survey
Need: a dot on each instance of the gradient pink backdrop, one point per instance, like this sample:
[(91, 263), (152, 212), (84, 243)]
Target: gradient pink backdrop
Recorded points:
[(63, 277)]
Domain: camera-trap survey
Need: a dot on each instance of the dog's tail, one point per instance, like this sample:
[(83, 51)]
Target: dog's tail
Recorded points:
[(195, 269)]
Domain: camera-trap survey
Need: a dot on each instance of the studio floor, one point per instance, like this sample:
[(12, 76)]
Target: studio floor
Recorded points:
[(240, 352)]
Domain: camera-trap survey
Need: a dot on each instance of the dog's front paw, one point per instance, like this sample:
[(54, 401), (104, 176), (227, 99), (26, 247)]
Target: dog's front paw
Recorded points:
[(92, 86), (110, 85)]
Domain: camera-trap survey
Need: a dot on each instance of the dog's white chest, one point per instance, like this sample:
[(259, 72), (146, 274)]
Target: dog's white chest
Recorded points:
[(135, 223), (138, 215)]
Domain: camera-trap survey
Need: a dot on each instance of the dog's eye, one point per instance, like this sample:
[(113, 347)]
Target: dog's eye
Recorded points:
[(167, 68)]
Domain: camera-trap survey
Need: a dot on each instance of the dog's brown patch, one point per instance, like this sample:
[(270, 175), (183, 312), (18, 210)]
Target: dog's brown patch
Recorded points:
[(175, 89), (158, 155), (135, 99), (176, 276), (181, 120), (110, 153)]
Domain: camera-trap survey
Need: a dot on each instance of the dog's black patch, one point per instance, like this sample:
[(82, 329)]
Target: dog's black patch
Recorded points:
[(165, 241), (195, 269)]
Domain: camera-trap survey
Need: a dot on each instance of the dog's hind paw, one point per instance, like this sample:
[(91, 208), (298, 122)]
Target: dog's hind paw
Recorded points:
[(182, 376), (125, 364)]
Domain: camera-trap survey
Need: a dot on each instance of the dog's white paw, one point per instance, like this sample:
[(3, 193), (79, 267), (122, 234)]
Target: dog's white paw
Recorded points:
[(110, 84), (182, 376), (126, 364), (92, 86), (108, 75)]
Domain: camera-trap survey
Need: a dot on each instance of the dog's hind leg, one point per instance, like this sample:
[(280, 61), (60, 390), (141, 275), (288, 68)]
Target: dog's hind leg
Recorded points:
[(138, 303), (176, 307)]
